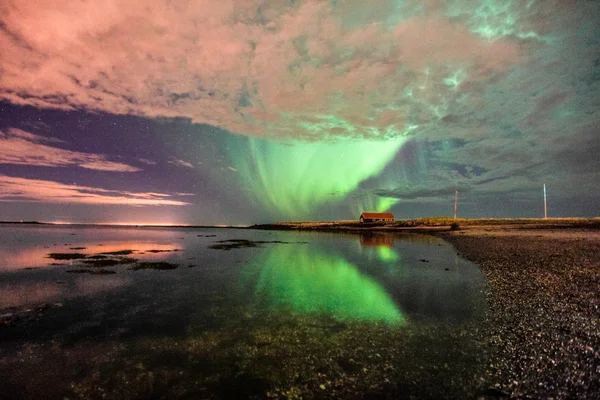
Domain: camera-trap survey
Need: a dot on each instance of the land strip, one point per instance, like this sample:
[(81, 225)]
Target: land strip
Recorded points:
[(428, 225)]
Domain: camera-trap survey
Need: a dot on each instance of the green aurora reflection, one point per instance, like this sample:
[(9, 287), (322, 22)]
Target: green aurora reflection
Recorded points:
[(293, 179), (309, 281), (387, 254)]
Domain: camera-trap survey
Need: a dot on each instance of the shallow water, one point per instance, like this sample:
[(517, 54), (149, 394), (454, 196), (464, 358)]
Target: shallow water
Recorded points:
[(245, 313)]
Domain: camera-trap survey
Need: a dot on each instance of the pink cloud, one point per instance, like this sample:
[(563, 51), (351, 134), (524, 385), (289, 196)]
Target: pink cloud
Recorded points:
[(180, 163), (146, 161), (22, 189), (24, 148), (30, 137), (254, 68)]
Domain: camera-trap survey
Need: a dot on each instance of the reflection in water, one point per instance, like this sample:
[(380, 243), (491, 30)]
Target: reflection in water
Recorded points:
[(387, 254), (37, 256), (24, 294), (377, 240), (190, 334), (431, 280), (379, 245), (307, 280), (28, 293), (389, 238)]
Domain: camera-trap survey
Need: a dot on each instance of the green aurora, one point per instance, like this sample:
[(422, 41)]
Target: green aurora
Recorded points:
[(387, 254), (309, 281), (294, 179)]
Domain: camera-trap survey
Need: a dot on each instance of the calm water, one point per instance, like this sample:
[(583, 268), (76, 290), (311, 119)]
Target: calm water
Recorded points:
[(245, 314)]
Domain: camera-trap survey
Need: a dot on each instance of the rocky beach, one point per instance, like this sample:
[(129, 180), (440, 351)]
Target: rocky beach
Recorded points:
[(543, 308)]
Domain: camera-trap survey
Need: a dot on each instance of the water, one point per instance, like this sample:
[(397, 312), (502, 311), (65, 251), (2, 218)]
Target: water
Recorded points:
[(245, 313)]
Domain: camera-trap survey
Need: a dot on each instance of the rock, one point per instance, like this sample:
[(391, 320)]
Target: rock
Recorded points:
[(161, 265), (66, 256)]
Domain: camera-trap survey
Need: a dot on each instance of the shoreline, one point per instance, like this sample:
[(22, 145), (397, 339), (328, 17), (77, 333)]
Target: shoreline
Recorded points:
[(542, 324), (420, 225), (431, 225)]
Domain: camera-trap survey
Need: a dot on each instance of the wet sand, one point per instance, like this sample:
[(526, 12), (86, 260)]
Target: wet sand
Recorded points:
[(542, 322)]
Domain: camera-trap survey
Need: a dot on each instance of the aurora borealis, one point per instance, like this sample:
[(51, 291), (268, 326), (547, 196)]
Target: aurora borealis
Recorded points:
[(321, 284), (228, 112), (290, 178)]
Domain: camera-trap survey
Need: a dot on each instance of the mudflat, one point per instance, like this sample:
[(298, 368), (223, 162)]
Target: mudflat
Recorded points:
[(542, 319)]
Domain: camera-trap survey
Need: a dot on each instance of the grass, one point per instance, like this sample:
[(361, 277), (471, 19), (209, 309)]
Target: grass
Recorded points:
[(429, 222), (442, 221)]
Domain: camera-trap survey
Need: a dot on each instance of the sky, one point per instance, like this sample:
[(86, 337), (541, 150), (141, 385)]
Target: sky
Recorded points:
[(241, 112)]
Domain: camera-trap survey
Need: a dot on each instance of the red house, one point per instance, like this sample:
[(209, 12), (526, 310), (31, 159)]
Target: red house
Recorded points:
[(376, 217)]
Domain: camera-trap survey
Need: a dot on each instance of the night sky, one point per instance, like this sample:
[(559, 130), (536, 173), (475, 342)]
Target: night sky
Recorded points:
[(238, 112)]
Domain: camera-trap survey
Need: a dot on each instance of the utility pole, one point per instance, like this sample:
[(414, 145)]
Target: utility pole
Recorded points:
[(545, 213), (455, 201)]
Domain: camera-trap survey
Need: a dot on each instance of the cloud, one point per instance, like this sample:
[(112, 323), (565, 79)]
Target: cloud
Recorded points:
[(14, 189), (305, 69), (508, 90), (412, 192), (146, 161), (30, 137), (180, 163), (24, 148)]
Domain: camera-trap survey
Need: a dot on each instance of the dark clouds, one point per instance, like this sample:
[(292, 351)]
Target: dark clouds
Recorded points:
[(412, 192), (300, 69), (492, 98)]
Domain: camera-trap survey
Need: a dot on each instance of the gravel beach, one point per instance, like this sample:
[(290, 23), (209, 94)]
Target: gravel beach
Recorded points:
[(543, 308)]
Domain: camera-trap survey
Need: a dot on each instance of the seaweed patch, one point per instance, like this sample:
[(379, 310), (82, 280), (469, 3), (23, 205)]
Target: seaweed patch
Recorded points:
[(160, 265), (66, 256)]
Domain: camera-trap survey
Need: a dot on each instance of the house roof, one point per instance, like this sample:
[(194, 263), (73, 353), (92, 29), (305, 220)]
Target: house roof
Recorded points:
[(368, 215)]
